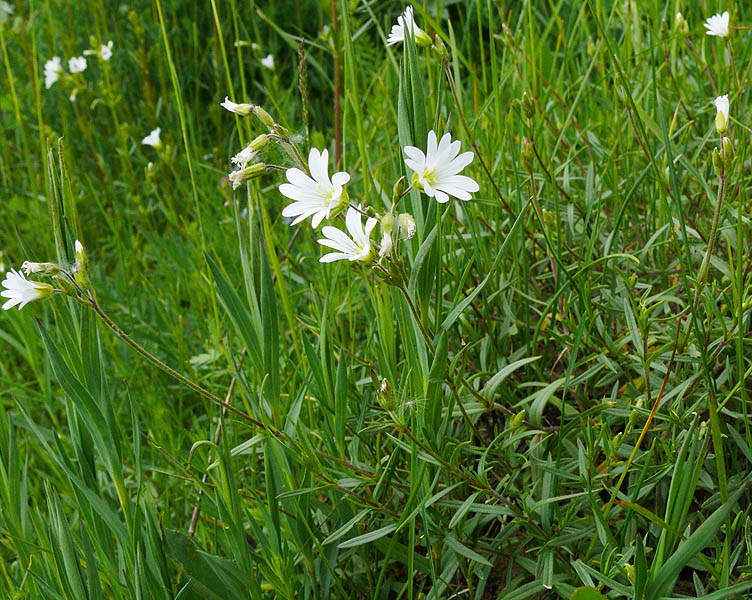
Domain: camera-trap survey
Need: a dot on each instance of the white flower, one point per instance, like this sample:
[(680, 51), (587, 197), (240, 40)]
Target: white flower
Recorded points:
[(241, 109), (49, 269), (357, 248), (5, 8), (105, 51), (722, 116), (718, 25), (21, 291), (53, 68), (316, 195), (247, 154), (153, 138), (268, 61), (437, 171), (242, 158), (404, 21), (77, 64)]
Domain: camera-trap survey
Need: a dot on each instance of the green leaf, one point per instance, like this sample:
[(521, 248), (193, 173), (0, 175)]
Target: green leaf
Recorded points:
[(460, 548), (214, 577), (369, 537), (587, 593), (665, 577)]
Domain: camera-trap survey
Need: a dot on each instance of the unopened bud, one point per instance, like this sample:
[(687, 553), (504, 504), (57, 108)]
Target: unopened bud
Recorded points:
[(727, 150), (258, 142), (682, 27), (517, 419), (526, 154), (590, 47), (263, 116), (398, 189), (528, 105), (717, 162), (81, 268), (407, 225)]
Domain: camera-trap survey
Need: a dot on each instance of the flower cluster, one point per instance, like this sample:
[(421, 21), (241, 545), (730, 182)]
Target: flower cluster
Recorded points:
[(316, 194), (53, 68), (20, 291)]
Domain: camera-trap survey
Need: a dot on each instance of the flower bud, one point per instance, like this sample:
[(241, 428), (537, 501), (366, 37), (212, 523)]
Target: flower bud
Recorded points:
[(526, 154), (727, 152), (717, 162), (528, 105), (81, 268), (398, 189), (384, 395), (682, 27), (263, 116), (407, 225), (722, 114), (259, 142), (517, 419)]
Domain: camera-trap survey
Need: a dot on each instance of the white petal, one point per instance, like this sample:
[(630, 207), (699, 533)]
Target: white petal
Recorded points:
[(318, 163), (332, 256), (431, 144), (340, 178), (440, 196)]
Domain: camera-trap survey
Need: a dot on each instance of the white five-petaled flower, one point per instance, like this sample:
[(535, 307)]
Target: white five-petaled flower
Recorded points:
[(105, 51), (316, 195), (718, 25), (357, 247), (722, 114), (153, 138), (437, 171), (21, 291), (77, 64), (53, 68), (268, 62), (407, 21)]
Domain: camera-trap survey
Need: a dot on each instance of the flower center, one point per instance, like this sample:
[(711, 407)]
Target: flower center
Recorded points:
[(429, 177)]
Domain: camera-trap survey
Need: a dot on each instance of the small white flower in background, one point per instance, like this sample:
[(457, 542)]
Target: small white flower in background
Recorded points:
[(241, 109), (722, 116), (268, 61), (406, 21), (5, 10), (21, 291), (316, 195), (718, 25), (437, 171), (153, 138), (53, 68), (356, 249), (77, 64), (105, 51)]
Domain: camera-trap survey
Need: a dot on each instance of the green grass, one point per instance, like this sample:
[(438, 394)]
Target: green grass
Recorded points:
[(566, 402)]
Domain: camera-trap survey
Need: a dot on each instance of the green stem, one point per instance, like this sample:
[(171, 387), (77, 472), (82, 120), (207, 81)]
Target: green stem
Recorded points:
[(711, 240)]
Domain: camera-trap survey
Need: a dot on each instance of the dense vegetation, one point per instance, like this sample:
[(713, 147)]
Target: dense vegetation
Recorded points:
[(534, 393)]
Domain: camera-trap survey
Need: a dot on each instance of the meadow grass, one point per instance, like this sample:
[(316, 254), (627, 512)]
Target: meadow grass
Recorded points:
[(542, 394)]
